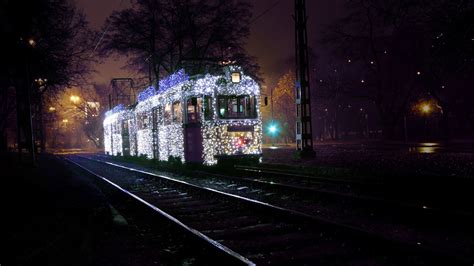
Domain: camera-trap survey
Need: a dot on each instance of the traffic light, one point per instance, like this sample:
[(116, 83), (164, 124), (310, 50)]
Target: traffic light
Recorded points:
[(273, 128)]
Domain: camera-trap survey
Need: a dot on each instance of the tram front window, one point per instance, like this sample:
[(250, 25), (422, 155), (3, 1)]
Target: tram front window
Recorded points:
[(243, 106)]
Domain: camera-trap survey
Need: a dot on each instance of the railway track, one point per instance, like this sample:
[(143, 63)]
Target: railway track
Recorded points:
[(438, 229), (260, 232), (149, 217), (352, 189)]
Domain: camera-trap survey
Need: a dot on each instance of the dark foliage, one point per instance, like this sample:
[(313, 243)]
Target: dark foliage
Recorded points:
[(404, 49), (163, 36), (47, 39)]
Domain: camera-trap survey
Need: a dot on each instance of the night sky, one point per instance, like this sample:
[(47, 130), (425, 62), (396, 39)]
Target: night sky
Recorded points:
[(271, 39)]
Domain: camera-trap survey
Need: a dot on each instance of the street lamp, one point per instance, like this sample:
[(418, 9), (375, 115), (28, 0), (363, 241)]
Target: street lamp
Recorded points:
[(425, 108), (32, 42), (75, 99)]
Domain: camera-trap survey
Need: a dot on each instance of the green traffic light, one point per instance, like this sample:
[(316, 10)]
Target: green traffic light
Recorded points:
[(273, 129)]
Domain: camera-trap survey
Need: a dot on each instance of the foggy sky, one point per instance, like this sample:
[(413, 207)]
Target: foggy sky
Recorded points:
[(271, 39)]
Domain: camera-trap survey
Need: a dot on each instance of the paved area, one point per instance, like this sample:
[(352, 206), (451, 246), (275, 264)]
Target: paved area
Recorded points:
[(382, 160), (54, 216)]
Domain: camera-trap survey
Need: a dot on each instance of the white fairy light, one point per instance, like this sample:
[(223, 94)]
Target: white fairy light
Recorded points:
[(113, 131), (217, 140)]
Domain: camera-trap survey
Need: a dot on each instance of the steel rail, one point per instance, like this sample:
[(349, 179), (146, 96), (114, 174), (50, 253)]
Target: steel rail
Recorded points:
[(171, 218), (405, 204), (407, 245)]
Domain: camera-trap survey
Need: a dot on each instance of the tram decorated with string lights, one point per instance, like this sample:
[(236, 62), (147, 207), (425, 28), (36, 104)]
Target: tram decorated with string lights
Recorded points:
[(199, 119)]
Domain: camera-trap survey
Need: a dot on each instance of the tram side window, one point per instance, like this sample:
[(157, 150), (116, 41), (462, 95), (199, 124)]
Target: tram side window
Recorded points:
[(177, 112), (167, 114), (208, 108), (193, 110), (143, 121), (125, 127), (237, 106)]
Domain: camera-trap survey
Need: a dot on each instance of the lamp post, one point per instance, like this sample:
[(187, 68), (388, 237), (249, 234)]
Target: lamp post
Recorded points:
[(425, 109), (74, 99), (272, 127), (405, 132), (41, 83)]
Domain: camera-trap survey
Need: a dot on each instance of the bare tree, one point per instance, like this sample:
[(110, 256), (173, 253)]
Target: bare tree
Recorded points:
[(283, 100), (163, 36), (404, 49), (386, 39), (48, 40), (451, 62)]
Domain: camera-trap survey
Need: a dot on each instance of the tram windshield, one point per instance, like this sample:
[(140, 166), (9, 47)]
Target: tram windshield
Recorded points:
[(242, 106)]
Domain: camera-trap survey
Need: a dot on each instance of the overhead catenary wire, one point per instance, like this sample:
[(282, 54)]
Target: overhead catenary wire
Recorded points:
[(104, 32), (265, 11)]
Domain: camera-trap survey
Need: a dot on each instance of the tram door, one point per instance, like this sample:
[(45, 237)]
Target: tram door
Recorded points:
[(125, 138), (192, 130)]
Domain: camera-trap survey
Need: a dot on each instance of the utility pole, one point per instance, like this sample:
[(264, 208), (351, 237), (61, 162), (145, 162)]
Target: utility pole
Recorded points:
[(405, 128), (304, 135)]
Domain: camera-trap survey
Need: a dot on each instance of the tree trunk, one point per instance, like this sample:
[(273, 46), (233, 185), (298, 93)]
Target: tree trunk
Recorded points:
[(3, 141), (336, 125)]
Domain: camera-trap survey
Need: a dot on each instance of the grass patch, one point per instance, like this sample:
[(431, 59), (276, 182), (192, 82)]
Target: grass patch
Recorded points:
[(175, 165), (321, 171)]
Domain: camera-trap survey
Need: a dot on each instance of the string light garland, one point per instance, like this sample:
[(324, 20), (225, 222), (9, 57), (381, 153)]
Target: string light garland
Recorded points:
[(114, 110), (113, 130), (156, 123)]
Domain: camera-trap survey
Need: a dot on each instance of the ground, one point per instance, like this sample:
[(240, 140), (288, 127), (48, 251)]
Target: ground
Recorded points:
[(383, 160), (54, 216)]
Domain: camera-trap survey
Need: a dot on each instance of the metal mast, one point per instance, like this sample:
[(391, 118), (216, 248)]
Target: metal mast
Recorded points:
[(123, 91), (304, 136)]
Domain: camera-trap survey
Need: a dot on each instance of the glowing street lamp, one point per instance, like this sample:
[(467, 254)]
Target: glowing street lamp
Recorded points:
[(32, 42), (425, 108), (75, 99)]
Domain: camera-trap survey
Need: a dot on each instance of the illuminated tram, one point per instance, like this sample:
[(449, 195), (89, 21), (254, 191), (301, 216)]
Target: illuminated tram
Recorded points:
[(196, 119)]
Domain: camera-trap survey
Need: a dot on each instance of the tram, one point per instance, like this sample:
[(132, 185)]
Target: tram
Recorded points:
[(199, 119)]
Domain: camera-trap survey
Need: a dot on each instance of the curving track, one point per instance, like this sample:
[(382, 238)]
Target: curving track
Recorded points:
[(260, 232)]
